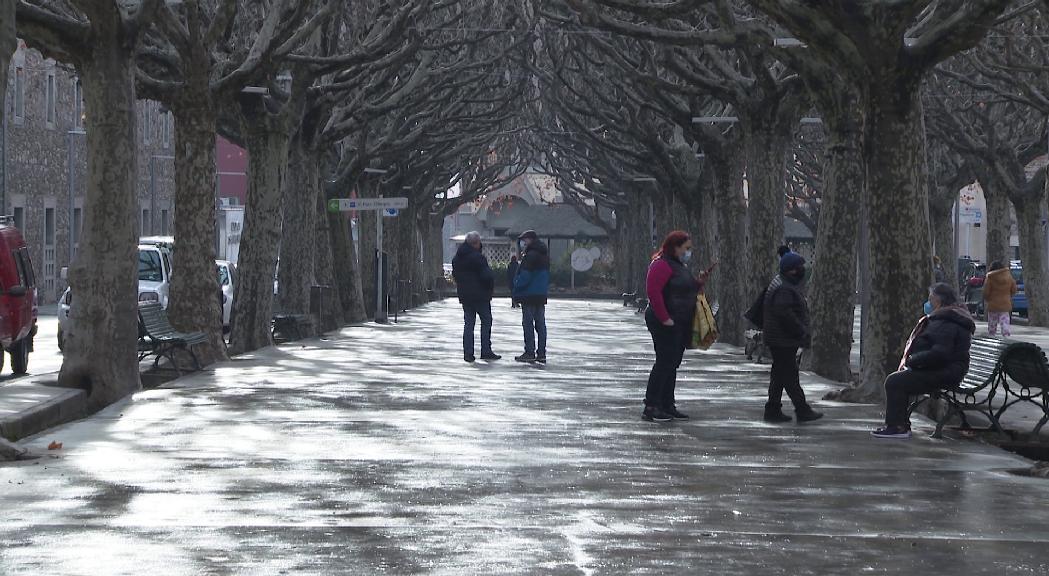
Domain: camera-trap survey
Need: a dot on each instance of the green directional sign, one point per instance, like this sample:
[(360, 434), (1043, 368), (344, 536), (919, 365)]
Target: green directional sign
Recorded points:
[(333, 206)]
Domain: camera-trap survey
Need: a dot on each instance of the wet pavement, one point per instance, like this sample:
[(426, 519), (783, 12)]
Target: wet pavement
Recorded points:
[(380, 451)]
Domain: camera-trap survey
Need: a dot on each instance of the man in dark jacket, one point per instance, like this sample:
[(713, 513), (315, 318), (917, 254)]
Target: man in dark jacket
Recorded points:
[(786, 330), (531, 286), (511, 274), (936, 358), (474, 283)]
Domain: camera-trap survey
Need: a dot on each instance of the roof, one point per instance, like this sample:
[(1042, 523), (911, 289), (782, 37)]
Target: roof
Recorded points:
[(548, 221)]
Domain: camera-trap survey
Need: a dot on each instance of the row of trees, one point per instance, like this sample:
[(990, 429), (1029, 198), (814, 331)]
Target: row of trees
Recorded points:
[(324, 95), (668, 108)]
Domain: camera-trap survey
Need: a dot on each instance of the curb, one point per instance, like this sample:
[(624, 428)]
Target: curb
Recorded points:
[(66, 407)]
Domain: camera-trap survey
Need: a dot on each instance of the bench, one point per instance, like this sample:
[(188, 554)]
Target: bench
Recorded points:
[(629, 299), (292, 327), (1027, 380), (160, 339), (1017, 370)]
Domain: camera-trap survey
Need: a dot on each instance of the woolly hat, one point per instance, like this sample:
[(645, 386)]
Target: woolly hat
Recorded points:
[(528, 234), (790, 261)]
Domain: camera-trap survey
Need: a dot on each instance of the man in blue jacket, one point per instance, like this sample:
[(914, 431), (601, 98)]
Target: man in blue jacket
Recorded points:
[(474, 284), (531, 286)]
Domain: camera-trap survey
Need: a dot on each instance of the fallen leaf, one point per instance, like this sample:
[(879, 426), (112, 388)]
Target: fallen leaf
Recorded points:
[(54, 446)]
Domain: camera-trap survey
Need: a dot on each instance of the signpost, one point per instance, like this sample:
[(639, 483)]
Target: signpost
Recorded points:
[(383, 207)]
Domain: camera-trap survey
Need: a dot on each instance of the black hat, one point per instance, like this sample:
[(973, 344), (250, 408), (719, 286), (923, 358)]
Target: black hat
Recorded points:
[(528, 234)]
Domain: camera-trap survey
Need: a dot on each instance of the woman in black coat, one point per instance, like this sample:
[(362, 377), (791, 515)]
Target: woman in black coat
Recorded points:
[(936, 358)]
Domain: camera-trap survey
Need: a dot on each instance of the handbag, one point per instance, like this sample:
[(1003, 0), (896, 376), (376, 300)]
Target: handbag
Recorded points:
[(704, 326)]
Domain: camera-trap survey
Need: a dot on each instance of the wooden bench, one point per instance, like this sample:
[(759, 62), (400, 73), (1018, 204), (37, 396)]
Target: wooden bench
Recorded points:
[(1027, 380), (160, 339)]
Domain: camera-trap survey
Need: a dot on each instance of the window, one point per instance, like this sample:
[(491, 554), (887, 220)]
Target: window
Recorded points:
[(25, 268), (147, 121), (19, 93), (165, 223), (165, 124), (78, 104), (19, 216), (149, 266), (146, 224), (49, 227), (51, 99), (49, 251)]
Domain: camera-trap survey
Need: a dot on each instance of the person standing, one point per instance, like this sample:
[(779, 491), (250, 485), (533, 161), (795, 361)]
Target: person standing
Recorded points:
[(672, 292), (936, 358), (531, 287), (474, 284), (786, 330), (998, 291), (511, 273)]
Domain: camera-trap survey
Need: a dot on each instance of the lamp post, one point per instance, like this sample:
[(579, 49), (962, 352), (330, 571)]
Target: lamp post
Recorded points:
[(380, 309)]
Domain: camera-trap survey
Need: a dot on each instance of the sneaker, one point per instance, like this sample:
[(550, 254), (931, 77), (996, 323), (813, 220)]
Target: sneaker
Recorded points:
[(526, 357), (541, 358), (892, 432), (809, 415), (673, 413), (491, 356), (654, 414), (776, 416), (469, 359)]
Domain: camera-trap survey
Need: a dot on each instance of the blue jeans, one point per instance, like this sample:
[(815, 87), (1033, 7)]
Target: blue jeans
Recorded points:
[(534, 322), (471, 310)]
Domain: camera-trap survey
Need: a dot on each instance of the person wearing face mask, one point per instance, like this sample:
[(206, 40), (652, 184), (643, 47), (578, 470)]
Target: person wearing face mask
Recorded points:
[(786, 330), (936, 358), (672, 292)]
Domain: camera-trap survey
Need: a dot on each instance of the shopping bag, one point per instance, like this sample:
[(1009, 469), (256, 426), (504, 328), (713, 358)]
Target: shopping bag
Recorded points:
[(704, 326)]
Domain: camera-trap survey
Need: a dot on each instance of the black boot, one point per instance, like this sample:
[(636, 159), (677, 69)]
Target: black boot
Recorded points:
[(774, 413), (807, 414)]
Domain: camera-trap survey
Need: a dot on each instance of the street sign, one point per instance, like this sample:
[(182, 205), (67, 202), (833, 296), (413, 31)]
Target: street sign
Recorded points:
[(355, 204), (390, 212), (583, 258), (970, 215)]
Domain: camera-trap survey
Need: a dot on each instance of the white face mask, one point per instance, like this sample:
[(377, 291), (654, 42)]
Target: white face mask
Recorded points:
[(687, 256)]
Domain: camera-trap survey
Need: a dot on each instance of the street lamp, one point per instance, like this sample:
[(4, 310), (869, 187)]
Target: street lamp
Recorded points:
[(380, 315)]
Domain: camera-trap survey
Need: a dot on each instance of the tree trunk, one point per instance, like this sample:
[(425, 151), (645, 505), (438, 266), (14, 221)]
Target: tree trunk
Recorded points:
[(101, 345), (766, 168), (941, 219), (639, 243), (194, 304), (267, 168), (999, 220), (366, 258), (897, 209), (832, 298), (347, 268), (298, 230), (1033, 255), (332, 314), (731, 274)]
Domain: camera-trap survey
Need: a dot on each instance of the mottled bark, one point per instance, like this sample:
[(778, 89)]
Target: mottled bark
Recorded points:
[(941, 220), (367, 256), (999, 220), (101, 343), (253, 301), (735, 294), (897, 208), (1029, 210), (832, 296), (766, 151), (8, 43), (639, 244), (347, 268), (332, 315), (194, 304), (298, 230)]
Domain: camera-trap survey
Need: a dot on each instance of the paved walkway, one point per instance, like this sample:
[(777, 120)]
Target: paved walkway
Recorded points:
[(381, 452)]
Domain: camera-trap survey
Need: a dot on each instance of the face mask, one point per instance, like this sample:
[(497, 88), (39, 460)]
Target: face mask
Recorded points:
[(928, 307), (687, 256)]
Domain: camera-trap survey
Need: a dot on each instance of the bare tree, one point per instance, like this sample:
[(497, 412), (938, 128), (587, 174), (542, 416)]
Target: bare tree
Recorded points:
[(100, 38)]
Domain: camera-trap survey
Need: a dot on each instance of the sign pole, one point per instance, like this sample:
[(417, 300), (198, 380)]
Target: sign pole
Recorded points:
[(379, 316)]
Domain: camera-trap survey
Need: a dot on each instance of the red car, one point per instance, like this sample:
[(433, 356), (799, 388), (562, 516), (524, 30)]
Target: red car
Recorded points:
[(18, 307)]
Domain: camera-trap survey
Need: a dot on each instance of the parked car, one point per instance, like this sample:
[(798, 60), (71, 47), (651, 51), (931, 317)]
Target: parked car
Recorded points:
[(18, 304), (227, 279), (154, 284)]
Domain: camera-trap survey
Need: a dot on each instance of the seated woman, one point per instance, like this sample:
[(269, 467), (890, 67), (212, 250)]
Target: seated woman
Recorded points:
[(936, 358)]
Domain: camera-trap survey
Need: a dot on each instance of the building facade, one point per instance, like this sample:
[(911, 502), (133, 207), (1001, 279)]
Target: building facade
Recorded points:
[(44, 164)]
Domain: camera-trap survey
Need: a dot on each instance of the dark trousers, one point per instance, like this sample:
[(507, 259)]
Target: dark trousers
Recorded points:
[(785, 376), (900, 386), (669, 342), (471, 310), (533, 320)]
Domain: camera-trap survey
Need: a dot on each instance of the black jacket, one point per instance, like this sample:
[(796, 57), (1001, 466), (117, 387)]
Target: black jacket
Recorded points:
[(940, 343), (474, 280), (511, 272), (786, 316)]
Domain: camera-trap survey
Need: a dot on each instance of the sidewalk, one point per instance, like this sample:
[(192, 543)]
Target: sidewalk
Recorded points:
[(381, 451)]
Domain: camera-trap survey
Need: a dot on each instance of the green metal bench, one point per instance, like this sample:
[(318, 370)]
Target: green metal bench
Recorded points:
[(986, 375), (1027, 379), (161, 340)]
